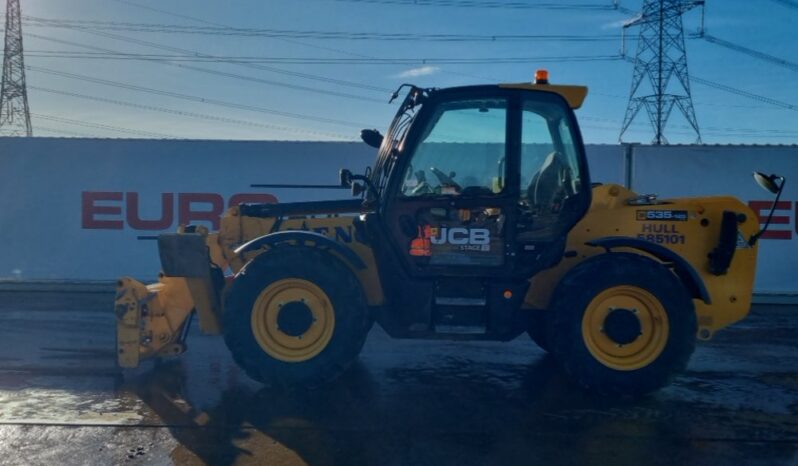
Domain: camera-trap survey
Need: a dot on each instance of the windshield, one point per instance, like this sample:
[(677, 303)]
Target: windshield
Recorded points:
[(462, 150)]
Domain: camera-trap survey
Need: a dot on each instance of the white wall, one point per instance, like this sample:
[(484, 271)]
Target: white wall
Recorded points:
[(67, 206)]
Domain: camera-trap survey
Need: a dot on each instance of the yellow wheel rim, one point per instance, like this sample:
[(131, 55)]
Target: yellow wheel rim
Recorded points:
[(630, 352), (282, 302)]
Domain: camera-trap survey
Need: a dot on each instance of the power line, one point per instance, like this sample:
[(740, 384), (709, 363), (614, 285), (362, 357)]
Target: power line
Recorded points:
[(193, 98), (290, 41), (203, 21), (203, 116), (46, 129), (787, 3), (86, 124), (312, 34), (739, 92), (319, 60), (242, 77), (716, 129), (326, 79), (752, 53), (190, 56), (742, 93), (507, 5), (199, 69), (156, 45), (616, 5)]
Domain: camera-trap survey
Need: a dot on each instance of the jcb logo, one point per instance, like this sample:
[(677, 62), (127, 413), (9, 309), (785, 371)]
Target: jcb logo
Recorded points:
[(460, 236)]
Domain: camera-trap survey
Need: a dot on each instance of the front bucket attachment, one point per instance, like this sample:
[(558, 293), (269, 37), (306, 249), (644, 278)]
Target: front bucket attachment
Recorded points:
[(130, 297), (151, 320)]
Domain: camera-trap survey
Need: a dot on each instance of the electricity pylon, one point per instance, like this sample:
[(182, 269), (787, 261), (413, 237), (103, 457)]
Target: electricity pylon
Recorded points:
[(14, 111), (661, 56)]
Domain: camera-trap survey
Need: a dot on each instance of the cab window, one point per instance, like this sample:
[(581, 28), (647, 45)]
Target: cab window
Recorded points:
[(461, 152), (549, 164)]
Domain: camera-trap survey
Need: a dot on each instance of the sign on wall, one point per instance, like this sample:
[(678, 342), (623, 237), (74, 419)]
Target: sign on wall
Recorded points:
[(88, 209)]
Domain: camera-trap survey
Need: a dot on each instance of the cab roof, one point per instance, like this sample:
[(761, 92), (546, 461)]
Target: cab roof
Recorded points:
[(574, 95)]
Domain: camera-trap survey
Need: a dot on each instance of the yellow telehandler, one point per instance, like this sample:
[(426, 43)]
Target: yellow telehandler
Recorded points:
[(478, 221)]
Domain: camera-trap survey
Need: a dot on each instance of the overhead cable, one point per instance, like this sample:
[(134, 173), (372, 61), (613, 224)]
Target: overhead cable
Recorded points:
[(165, 61), (742, 93), (290, 41), (319, 60), (202, 116), (790, 65), (497, 4), (87, 124), (314, 34), (46, 129), (787, 3), (736, 91), (193, 98)]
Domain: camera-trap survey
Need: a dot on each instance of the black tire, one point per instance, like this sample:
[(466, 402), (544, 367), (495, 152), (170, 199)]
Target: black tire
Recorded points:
[(537, 329), (575, 294), (336, 280)]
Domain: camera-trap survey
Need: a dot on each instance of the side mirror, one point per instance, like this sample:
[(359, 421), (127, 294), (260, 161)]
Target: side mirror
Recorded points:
[(775, 185), (372, 137), (345, 178), (769, 183)]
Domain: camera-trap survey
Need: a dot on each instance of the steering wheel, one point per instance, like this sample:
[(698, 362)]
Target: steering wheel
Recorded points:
[(446, 179), (422, 189)]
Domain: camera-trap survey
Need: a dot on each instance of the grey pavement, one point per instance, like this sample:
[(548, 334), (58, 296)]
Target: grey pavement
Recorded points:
[(63, 401)]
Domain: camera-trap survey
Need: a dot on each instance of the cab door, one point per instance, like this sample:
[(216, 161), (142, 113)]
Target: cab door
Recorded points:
[(462, 228), (451, 201)]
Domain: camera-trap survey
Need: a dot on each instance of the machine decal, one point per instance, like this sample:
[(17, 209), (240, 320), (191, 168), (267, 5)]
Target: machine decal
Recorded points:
[(661, 234), (459, 236), (665, 215), (464, 239), (465, 236), (742, 243)]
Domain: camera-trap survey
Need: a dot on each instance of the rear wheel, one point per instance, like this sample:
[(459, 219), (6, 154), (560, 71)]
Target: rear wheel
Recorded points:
[(623, 324), (295, 317)]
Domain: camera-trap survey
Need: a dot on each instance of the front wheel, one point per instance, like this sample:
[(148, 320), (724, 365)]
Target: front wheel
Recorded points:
[(623, 324), (295, 317)]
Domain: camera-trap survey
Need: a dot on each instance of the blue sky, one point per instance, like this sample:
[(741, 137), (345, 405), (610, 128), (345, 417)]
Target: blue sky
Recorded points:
[(763, 25)]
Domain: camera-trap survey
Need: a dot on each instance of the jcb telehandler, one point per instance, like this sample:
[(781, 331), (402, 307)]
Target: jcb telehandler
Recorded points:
[(478, 221)]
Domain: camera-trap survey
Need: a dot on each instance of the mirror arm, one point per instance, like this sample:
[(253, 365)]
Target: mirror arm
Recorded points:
[(369, 185), (755, 236)]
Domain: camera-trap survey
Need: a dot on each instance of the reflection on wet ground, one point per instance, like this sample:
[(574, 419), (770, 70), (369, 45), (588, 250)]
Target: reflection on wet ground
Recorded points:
[(404, 402)]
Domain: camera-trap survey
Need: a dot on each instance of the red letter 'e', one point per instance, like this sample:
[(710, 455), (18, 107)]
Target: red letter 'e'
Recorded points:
[(90, 210)]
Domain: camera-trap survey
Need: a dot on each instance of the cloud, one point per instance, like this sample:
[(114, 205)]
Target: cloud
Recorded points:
[(616, 24), (420, 71)]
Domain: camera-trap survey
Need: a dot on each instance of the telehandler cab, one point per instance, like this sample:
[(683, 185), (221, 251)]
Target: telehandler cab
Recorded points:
[(478, 222)]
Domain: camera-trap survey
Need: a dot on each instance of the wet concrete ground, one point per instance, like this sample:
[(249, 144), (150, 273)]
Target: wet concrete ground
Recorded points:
[(62, 401)]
